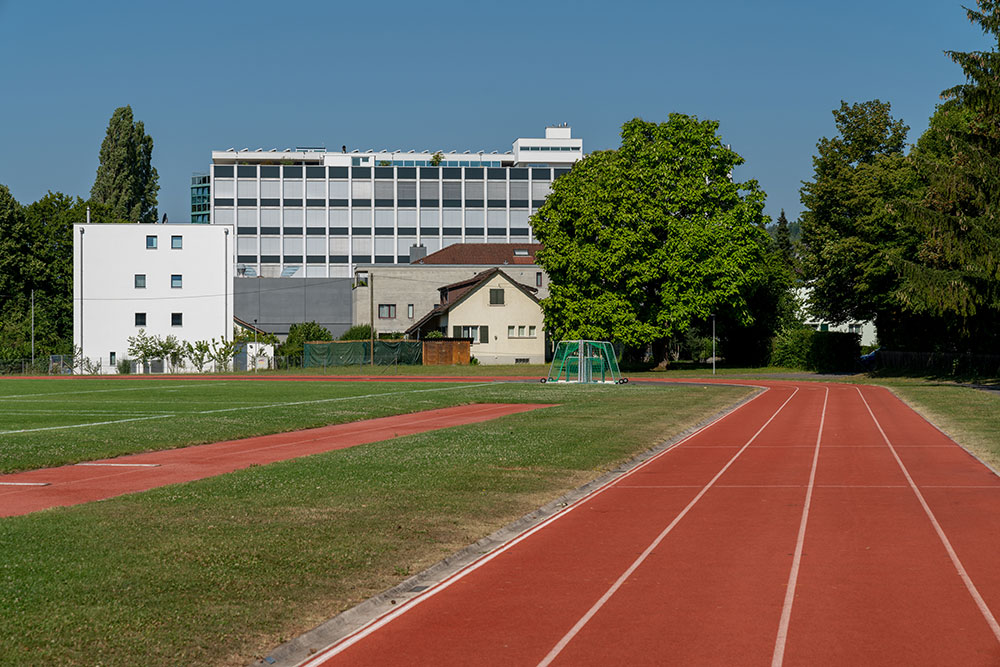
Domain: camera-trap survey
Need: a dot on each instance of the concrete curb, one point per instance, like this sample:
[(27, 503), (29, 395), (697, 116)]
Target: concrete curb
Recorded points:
[(297, 650)]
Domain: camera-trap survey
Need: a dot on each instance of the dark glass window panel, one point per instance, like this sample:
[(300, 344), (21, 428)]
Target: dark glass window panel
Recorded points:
[(451, 172), (246, 171), (518, 232), (223, 202), (383, 203), (473, 203), (519, 203), (431, 173), (293, 231), (518, 174), (140, 319), (338, 203), (270, 202), (452, 231), (429, 231), (270, 230), (315, 259), (246, 231), (541, 174), (293, 259), (246, 202), (315, 172), (269, 172), (338, 172), (362, 259), (407, 203), (556, 173), (498, 232), (292, 171), (338, 259), (474, 231), (497, 203), (246, 259), (176, 319), (383, 172), (496, 296), (428, 203), (472, 173), (315, 231), (316, 203), (223, 171), (453, 203), (362, 173), (338, 231), (407, 231), (403, 259), (494, 174), (383, 231), (384, 259), (406, 172), (361, 203), (293, 202), (270, 259), (537, 203), (361, 231)]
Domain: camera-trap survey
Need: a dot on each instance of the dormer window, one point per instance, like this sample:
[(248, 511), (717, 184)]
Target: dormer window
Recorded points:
[(520, 252)]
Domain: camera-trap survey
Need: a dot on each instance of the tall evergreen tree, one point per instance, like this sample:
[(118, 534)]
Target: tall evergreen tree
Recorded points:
[(126, 183), (783, 241)]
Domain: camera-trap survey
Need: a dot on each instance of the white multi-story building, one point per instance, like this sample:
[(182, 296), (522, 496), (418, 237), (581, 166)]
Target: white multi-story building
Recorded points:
[(171, 279), (315, 213)]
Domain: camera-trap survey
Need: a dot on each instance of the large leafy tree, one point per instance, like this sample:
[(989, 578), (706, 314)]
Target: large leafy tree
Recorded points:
[(642, 241), (126, 183), (854, 221)]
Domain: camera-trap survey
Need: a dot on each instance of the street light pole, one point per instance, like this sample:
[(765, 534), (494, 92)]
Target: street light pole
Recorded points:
[(713, 343), (32, 328), (371, 308), (256, 350)]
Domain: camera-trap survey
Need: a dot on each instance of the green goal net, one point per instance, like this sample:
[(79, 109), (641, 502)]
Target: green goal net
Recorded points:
[(585, 361)]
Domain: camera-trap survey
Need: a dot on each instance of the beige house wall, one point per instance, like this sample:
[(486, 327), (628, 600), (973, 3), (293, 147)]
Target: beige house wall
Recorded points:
[(518, 310)]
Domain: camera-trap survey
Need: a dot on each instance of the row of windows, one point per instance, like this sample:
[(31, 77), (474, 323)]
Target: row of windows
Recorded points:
[(521, 331), (176, 242), (176, 320), (387, 311), (495, 173), (176, 281), (389, 202), (551, 148)]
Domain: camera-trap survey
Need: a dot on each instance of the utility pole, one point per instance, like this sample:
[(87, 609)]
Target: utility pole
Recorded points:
[(713, 343), (256, 350), (32, 328), (371, 308)]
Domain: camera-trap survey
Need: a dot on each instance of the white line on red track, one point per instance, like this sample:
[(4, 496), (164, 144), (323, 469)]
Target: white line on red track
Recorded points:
[(568, 637), (24, 483), (966, 579), (120, 465), (793, 575)]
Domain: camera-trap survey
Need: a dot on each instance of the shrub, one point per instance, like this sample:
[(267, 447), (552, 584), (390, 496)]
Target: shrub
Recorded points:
[(358, 332), (124, 366), (791, 347), (433, 335), (834, 352)]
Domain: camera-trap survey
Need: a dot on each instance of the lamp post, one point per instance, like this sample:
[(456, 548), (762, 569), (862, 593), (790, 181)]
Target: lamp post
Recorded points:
[(713, 343), (256, 350)]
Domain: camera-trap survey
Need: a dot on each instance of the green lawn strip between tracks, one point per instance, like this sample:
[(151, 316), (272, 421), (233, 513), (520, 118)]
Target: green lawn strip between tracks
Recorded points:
[(220, 570)]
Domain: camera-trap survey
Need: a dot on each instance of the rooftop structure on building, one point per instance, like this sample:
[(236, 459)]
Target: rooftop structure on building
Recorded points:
[(311, 212)]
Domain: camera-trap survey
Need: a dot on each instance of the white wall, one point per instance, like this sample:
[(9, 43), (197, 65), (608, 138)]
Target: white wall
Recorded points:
[(106, 258), (518, 310)]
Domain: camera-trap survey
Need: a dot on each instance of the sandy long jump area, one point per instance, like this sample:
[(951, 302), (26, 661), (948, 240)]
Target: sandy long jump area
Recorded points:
[(815, 525), (25, 492)]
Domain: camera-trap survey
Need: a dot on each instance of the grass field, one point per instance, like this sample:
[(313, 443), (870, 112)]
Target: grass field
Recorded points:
[(220, 570)]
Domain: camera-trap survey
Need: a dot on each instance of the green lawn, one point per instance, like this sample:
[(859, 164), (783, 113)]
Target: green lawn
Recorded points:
[(221, 570)]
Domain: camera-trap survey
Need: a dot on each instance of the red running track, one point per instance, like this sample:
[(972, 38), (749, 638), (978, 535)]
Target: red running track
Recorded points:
[(816, 525), (25, 492)]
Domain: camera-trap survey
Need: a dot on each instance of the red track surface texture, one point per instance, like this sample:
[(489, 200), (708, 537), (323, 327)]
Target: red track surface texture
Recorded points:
[(25, 492), (816, 525)]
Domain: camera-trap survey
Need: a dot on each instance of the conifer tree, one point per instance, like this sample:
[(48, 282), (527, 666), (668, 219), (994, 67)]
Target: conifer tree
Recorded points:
[(126, 183)]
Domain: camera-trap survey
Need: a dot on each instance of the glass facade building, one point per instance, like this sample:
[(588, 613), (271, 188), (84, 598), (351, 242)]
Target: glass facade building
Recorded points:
[(201, 198)]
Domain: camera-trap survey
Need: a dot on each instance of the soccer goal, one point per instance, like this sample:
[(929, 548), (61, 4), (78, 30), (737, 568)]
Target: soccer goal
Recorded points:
[(585, 361)]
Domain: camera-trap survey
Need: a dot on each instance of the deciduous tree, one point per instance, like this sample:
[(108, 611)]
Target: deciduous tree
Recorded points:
[(126, 183)]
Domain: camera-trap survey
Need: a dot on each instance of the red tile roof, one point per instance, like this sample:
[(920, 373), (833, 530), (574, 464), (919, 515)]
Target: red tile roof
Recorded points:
[(489, 254)]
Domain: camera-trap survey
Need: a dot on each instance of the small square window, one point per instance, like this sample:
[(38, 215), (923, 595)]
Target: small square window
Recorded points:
[(150, 243), (176, 280), (496, 297), (176, 319), (140, 319), (520, 252), (520, 332), (176, 242), (510, 331), (386, 311), (531, 332), (140, 281)]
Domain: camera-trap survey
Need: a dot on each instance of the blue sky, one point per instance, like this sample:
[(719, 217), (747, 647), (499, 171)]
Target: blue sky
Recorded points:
[(453, 75)]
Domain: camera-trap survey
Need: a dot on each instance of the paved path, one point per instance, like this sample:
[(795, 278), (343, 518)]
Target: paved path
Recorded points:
[(24, 492), (816, 525)]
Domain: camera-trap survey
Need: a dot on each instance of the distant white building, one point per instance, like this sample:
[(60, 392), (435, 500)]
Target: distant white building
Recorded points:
[(866, 330), (171, 279)]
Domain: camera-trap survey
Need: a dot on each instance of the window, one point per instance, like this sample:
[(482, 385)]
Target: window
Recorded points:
[(150, 243), (140, 319), (510, 331), (111, 358), (520, 332), (538, 279), (496, 297), (531, 331), (409, 310), (386, 311), (140, 281), (176, 280), (466, 332), (176, 242), (520, 252), (176, 319)]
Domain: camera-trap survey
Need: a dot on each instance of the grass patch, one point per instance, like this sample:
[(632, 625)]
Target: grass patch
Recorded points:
[(220, 570)]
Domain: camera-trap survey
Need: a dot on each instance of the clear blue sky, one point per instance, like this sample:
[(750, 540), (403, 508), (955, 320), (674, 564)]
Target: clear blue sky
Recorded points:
[(453, 75)]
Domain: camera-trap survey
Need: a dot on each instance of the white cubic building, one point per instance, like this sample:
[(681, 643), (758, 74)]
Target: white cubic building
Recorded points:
[(171, 279), (315, 213)]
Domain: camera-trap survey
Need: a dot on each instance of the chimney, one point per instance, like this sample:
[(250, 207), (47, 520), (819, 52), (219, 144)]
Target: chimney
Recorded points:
[(417, 252)]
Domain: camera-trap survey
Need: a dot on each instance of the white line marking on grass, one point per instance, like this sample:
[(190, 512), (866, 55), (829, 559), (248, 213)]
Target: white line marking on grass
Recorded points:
[(121, 465), (966, 579), (568, 637), (377, 623), (103, 391), (793, 575), (24, 483), (104, 423)]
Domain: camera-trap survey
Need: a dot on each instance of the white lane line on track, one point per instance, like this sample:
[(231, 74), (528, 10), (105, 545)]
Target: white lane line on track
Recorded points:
[(120, 465), (793, 575), (359, 634), (966, 579), (24, 483), (104, 391), (568, 637), (247, 407)]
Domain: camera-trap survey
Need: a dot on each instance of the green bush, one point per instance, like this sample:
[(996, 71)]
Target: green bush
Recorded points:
[(358, 332), (834, 352), (302, 332), (124, 366), (432, 335), (791, 347)]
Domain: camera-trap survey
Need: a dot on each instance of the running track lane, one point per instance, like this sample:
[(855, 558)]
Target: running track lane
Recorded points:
[(706, 555), (25, 492)]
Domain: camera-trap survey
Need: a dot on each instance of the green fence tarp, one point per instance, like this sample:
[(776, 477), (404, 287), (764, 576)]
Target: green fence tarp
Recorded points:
[(358, 353)]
